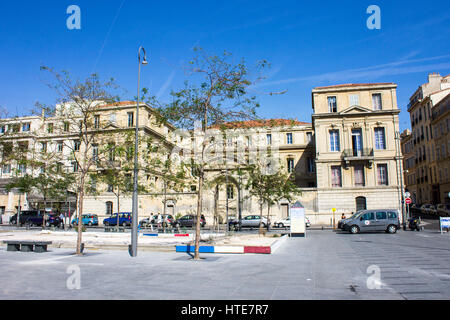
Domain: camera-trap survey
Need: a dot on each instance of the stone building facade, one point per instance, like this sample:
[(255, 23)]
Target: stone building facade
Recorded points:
[(422, 179), (345, 159), (356, 153)]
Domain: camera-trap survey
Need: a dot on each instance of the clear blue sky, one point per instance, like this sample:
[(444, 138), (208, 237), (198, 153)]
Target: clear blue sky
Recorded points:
[(308, 43)]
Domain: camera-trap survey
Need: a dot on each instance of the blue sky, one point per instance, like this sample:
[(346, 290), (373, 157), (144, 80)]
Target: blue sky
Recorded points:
[(308, 44)]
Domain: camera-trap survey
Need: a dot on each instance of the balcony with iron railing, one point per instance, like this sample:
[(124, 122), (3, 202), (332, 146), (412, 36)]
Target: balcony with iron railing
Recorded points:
[(365, 154)]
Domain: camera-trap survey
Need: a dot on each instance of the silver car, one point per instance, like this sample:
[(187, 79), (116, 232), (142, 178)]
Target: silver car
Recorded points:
[(250, 222), (372, 220)]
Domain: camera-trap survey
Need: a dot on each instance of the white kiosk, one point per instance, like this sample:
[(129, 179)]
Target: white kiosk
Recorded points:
[(297, 217)]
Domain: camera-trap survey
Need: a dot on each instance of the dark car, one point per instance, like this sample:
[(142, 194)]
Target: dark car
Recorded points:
[(35, 218), (124, 219), (24, 216), (190, 221)]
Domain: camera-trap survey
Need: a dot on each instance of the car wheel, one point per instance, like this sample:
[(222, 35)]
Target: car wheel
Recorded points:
[(391, 229), (106, 223), (124, 224), (90, 224), (354, 229), (280, 225)]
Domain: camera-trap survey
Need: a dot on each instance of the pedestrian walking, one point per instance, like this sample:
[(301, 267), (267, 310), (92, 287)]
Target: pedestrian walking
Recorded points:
[(62, 217), (159, 220)]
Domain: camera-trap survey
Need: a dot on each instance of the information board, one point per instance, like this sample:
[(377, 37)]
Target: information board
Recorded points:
[(445, 223), (297, 217)]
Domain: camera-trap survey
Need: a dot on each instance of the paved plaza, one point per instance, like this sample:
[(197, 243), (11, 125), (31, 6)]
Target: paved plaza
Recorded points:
[(324, 265)]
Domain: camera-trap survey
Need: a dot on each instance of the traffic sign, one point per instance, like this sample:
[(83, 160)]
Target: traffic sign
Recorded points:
[(408, 201)]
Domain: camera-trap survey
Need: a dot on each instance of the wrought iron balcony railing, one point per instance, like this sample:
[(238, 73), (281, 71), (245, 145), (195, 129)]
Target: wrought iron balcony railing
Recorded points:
[(355, 153)]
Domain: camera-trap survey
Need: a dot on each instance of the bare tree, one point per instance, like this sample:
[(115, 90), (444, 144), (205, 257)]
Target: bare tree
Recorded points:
[(77, 106)]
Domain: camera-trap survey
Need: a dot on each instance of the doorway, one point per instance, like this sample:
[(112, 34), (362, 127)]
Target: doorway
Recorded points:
[(361, 203)]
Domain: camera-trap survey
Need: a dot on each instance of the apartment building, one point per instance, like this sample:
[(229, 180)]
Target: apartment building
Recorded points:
[(345, 159), (356, 153), (424, 182), (440, 124)]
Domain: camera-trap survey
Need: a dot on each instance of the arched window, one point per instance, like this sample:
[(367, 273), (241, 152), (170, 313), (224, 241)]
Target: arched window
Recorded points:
[(109, 208), (361, 203)]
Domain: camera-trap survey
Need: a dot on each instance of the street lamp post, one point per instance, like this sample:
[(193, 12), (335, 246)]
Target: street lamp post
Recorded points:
[(400, 177), (133, 248)]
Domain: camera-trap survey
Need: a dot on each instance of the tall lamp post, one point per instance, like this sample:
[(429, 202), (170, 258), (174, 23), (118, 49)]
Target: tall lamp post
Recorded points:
[(133, 248)]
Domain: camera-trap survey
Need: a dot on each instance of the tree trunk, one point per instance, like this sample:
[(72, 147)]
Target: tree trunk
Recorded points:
[(216, 205), (80, 213), (268, 217), (45, 212), (118, 208), (261, 215), (199, 214)]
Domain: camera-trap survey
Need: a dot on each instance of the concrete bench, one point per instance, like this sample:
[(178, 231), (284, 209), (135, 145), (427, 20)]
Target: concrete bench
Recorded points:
[(27, 246)]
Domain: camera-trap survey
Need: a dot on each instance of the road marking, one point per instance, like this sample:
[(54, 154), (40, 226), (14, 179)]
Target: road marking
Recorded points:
[(45, 261)]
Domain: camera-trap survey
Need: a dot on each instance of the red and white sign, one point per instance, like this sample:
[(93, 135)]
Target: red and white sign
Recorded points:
[(408, 201)]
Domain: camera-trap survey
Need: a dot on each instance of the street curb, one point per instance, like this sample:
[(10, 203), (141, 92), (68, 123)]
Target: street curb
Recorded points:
[(166, 235), (278, 243), (234, 249), (142, 247)]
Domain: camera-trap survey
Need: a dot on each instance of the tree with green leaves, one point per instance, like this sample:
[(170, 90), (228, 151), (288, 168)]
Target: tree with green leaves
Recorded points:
[(40, 170), (77, 104), (217, 93), (269, 186)]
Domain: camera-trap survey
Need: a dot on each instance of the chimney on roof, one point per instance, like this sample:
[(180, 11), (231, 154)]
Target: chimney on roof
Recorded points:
[(434, 75)]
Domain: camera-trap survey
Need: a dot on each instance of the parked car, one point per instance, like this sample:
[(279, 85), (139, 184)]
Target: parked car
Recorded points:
[(35, 218), (124, 219), (167, 217), (443, 210), (286, 222), (53, 220), (190, 221), (282, 223), (24, 216), (146, 222), (373, 220), (414, 208), (428, 209), (341, 223), (249, 222), (87, 219)]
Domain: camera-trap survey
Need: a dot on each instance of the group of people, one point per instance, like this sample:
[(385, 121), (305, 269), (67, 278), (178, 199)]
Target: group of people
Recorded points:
[(162, 221)]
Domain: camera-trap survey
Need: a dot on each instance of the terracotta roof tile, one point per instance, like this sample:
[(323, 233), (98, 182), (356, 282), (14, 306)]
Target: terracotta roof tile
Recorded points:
[(260, 123)]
